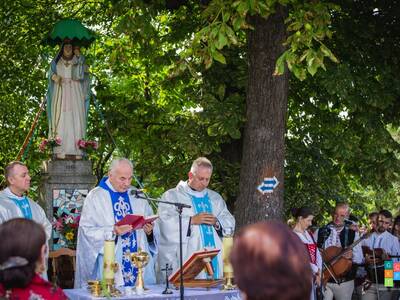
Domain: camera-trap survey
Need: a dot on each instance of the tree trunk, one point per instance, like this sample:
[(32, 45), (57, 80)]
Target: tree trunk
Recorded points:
[(264, 134)]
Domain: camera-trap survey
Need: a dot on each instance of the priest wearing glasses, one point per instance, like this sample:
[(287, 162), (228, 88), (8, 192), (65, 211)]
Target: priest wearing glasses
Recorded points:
[(203, 224)]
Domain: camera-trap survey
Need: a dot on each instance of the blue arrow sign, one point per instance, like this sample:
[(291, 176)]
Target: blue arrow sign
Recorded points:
[(268, 185)]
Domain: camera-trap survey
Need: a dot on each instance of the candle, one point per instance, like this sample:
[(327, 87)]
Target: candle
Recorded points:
[(227, 243), (109, 259)]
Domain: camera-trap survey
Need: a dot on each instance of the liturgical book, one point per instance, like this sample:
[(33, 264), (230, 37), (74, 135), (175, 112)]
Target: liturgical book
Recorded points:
[(137, 221)]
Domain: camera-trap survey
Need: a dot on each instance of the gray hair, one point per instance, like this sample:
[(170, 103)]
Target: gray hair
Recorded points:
[(117, 162), (201, 162), (9, 170)]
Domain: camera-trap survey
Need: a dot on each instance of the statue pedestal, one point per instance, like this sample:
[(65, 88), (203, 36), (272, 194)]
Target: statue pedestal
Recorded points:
[(64, 186)]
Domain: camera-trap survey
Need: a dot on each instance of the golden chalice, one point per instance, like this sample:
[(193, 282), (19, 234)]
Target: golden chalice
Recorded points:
[(140, 259)]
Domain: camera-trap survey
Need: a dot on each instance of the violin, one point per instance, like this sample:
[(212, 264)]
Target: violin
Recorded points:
[(377, 253), (336, 265)]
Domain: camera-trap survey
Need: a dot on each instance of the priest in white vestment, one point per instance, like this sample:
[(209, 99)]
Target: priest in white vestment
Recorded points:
[(14, 203), (203, 225), (104, 206)]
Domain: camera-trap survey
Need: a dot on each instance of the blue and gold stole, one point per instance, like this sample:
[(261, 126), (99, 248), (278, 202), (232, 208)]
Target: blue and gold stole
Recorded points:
[(203, 205), (122, 207)]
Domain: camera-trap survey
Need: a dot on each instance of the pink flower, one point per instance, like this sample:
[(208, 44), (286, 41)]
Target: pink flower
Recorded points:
[(42, 145), (57, 140), (81, 144), (87, 144), (58, 225)]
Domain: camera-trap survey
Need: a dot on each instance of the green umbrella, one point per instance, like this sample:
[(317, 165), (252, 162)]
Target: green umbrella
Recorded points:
[(70, 29)]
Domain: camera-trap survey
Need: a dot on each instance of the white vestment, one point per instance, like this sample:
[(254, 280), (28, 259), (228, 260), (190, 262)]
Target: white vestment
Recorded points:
[(9, 210), (169, 227), (97, 219)]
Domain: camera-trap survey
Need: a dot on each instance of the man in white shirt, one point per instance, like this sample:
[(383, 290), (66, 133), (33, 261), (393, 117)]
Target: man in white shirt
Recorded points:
[(339, 234), (388, 246)]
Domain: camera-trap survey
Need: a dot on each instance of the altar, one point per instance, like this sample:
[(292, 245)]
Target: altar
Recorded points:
[(155, 292)]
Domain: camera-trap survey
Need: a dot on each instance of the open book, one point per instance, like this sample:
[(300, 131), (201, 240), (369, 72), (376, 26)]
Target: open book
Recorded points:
[(137, 221)]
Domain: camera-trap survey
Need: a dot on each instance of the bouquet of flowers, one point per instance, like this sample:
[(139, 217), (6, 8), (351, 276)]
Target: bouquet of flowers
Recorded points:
[(67, 227), (88, 145), (52, 142)]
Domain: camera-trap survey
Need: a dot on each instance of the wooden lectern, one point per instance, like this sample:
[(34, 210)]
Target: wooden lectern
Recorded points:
[(199, 261)]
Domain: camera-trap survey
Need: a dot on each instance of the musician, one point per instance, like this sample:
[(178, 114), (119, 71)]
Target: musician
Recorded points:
[(373, 221), (388, 246), (338, 233)]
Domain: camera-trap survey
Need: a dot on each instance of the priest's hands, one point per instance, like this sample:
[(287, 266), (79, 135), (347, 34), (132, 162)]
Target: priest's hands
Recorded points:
[(148, 228), (120, 230), (204, 218)]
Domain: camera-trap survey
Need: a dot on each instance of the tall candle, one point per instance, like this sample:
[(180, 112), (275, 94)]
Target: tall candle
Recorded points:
[(109, 259), (227, 243)]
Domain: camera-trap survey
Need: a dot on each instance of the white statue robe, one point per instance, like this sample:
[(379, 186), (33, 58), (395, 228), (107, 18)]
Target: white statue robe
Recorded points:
[(169, 227), (9, 210), (97, 219), (68, 116)]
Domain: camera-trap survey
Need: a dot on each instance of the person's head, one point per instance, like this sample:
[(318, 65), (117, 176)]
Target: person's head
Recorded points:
[(396, 227), (341, 212), (270, 262), (17, 177), (22, 249), (373, 220), (200, 174), (76, 50), (67, 49), (384, 221), (304, 216), (120, 174)]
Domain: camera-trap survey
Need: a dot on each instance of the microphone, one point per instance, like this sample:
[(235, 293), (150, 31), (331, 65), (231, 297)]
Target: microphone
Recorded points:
[(349, 222), (135, 191)]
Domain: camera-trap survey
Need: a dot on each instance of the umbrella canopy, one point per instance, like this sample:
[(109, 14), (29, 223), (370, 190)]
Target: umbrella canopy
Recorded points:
[(70, 29)]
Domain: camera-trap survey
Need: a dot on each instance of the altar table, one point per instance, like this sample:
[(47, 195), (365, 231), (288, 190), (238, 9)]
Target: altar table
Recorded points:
[(155, 291)]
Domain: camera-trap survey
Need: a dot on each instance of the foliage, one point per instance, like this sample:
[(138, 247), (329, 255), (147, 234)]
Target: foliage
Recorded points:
[(160, 95)]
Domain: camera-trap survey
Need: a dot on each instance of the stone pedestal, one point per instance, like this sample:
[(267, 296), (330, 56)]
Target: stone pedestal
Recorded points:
[(65, 184)]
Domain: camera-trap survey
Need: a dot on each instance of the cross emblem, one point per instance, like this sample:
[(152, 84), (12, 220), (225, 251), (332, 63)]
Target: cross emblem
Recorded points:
[(121, 207)]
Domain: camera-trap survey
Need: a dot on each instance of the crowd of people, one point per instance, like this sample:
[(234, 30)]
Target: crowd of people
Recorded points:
[(338, 261), (350, 257)]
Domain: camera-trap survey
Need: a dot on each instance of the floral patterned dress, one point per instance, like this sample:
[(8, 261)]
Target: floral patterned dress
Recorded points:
[(37, 289)]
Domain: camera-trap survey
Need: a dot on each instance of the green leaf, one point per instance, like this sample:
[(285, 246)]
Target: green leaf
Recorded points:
[(280, 64), (225, 16), (221, 91), (222, 41), (219, 57)]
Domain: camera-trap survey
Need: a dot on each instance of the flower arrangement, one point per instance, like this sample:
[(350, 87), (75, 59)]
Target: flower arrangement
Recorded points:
[(52, 142), (67, 227), (88, 145)]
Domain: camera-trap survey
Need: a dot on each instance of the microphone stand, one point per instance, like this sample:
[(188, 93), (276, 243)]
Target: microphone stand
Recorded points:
[(179, 207)]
